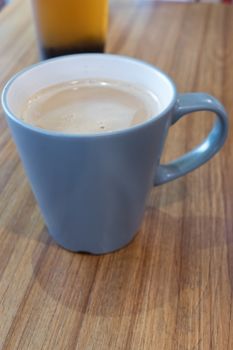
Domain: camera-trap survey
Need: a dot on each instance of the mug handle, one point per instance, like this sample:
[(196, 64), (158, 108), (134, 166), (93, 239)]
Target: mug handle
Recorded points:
[(188, 103)]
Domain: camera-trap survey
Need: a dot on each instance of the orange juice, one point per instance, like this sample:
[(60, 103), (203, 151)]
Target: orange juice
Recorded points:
[(71, 26)]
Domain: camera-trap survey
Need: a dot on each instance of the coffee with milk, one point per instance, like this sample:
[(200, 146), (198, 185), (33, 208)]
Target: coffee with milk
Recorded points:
[(90, 106)]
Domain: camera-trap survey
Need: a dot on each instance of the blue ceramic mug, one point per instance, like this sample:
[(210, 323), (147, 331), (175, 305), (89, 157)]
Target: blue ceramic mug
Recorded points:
[(92, 188)]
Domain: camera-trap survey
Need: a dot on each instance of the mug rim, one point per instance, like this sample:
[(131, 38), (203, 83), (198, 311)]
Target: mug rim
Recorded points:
[(53, 133)]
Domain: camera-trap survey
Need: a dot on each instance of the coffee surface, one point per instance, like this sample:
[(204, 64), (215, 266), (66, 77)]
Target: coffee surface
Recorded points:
[(90, 106)]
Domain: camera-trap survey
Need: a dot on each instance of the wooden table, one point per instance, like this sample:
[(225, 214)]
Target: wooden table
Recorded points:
[(171, 288)]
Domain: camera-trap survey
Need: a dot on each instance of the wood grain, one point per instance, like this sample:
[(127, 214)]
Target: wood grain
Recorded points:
[(171, 288)]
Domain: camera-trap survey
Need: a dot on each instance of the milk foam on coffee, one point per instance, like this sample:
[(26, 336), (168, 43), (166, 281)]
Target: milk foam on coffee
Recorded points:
[(90, 106)]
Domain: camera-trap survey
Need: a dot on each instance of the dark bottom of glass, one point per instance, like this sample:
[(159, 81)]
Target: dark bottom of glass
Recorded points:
[(49, 52)]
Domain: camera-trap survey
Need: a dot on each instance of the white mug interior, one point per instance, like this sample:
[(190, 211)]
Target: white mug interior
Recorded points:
[(81, 66)]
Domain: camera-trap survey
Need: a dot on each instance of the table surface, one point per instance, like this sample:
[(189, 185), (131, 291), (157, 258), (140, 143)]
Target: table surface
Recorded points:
[(171, 288)]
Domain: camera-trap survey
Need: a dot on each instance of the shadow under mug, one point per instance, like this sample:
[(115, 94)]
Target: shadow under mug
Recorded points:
[(92, 188)]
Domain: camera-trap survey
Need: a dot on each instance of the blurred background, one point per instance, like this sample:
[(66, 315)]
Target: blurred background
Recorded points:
[(3, 2)]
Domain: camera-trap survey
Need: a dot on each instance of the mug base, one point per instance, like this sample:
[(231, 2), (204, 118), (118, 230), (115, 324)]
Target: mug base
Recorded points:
[(96, 251)]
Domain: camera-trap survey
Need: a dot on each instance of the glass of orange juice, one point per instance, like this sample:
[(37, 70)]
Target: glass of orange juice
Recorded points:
[(71, 26)]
